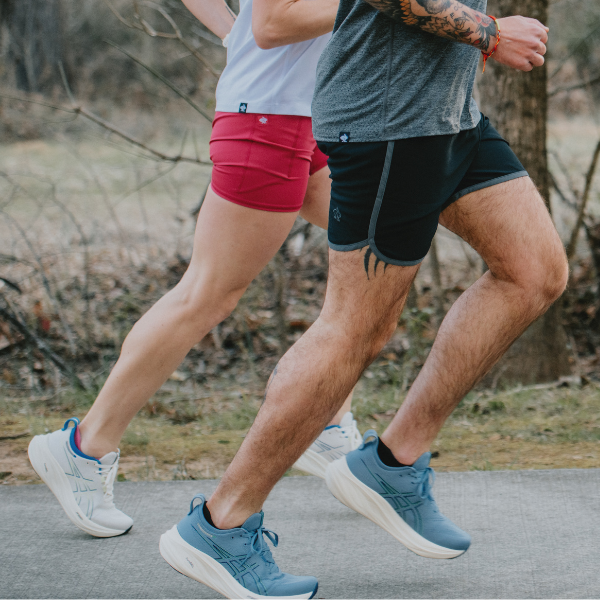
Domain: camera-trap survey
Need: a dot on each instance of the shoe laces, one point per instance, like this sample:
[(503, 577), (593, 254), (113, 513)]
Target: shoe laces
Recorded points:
[(351, 432), (259, 546), (426, 479), (108, 474)]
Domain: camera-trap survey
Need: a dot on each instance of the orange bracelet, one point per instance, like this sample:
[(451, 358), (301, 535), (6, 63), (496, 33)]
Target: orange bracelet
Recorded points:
[(486, 56)]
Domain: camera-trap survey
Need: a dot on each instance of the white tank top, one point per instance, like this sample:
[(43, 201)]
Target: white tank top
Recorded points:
[(279, 81)]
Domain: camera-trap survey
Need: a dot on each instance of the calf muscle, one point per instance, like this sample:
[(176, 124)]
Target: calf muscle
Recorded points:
[(312, 380)]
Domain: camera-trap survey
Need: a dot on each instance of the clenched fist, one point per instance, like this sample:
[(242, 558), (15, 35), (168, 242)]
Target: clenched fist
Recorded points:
[(522, 43)]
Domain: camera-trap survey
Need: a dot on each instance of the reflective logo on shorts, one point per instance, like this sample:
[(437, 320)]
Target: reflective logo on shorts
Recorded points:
[(244, 107), (264, 120), (344, 136), (337, 215)]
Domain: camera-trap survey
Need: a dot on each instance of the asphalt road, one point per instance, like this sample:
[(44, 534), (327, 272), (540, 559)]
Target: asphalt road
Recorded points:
[(536, 534)]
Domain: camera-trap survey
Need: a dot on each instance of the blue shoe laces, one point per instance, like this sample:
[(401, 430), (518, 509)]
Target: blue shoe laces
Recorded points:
[(426, 481), (258, 545)]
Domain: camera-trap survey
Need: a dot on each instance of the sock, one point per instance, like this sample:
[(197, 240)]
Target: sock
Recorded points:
[(78, 439), (386, 456), (207, 516)]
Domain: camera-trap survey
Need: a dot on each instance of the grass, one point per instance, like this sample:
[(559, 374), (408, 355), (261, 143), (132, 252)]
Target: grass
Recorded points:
[(552, 427), (135, 218)]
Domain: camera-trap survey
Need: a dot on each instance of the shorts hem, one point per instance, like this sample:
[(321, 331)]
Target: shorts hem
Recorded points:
[(255, 206), (348, 247), (376, 252), (486, 184)]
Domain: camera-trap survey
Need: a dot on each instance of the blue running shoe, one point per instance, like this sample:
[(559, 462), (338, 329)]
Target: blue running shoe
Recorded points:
[(235, 562), (398, 499)]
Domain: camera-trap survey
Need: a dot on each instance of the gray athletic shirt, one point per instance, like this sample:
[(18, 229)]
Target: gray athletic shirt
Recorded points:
[(379, 80)]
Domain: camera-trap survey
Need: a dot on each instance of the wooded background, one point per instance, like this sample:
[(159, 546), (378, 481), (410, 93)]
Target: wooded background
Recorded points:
[(138, 77)]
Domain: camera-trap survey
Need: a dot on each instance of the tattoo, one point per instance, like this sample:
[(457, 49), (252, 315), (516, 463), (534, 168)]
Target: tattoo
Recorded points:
[(270, 381), (367, 260), (445, 18)]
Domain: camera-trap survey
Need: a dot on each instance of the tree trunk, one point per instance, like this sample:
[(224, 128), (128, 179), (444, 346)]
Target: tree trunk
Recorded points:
[(516, 103), (33, 42)]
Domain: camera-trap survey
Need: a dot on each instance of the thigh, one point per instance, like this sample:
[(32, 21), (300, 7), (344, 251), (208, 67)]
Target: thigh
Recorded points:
[(364, 294), (233, 243), (316, 201), (508, 224)]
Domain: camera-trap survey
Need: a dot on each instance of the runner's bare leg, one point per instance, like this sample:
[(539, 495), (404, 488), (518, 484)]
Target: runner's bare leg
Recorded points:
[(232, 245), (510, 226)]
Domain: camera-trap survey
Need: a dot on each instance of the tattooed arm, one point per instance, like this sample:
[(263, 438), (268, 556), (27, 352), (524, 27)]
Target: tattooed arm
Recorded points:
[(522, 40)]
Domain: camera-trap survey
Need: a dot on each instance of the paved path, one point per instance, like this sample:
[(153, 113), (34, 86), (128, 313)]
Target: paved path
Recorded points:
[(536, 534)]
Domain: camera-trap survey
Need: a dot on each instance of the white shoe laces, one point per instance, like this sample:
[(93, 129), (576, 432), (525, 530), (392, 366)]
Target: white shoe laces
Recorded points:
[(108, 474), (351, 431)]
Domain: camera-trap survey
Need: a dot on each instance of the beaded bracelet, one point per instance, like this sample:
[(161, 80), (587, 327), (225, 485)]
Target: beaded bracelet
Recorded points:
[(486, 56)]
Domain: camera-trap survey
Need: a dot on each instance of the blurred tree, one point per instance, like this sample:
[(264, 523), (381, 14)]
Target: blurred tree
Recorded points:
[(33, 46), (517, 104)]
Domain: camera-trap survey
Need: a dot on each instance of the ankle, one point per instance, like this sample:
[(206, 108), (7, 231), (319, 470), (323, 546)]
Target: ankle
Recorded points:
[(93, 445), (404, 454), (226, 516)]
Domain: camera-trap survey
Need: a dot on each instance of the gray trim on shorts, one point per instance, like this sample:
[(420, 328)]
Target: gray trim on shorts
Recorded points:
[(485, 184), (370, 241)]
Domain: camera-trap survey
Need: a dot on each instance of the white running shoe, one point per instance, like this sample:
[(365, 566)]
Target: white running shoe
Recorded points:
[(335, 442), (83, 485)]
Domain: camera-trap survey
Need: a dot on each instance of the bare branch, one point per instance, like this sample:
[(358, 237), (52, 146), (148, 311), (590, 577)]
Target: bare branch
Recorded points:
[(574, 86), (143, 25), (78, 110), (162, 78), (582, 205), (13, 318), (559, 191)]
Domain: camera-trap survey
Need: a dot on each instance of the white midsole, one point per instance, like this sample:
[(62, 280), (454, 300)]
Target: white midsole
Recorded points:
[(193, 563), (312, 463), (352, 492), (53, 475)]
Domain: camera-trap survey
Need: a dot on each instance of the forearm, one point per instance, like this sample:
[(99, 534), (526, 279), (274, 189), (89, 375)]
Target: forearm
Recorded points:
[(282, 22), (213, 14), (444, 18)]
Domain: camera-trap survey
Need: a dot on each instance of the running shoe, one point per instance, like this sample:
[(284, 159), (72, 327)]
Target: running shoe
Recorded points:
[(234, 562), (398, 499), (82, 484), (335, 442)]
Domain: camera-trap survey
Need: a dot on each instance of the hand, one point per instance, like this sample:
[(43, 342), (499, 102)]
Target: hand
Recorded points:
[(522, 43)]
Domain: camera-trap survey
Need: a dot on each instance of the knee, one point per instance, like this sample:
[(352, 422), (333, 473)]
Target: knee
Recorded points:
[(204, 304), (543, 276), (550, 274), (372, 337)]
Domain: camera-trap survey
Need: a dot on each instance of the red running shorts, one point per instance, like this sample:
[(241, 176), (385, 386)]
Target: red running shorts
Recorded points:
[(263, 161)]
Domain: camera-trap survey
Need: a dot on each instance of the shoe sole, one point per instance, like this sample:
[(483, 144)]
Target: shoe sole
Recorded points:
[(52, 474), (197, 565), (310, 462), (352, 492)]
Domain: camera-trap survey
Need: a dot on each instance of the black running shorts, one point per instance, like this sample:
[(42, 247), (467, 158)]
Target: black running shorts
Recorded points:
[(389, 195)]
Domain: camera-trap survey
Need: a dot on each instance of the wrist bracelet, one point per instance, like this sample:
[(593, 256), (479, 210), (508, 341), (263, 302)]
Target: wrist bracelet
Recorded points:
[(486, 55)]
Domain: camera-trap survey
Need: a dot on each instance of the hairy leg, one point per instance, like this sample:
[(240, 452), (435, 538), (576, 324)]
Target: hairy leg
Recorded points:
[(509, 225), (307, 386), (315, 210), (232, 244)]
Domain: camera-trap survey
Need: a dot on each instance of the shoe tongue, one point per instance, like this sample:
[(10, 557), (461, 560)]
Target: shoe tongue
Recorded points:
[(422, 462), (109, 459), (253, 522), (347, 420)]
